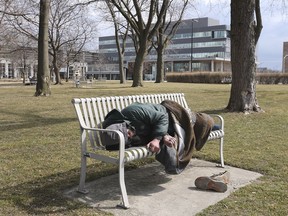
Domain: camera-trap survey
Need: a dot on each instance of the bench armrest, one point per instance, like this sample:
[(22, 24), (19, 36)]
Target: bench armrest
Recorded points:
[(120, 134), (220, 120)]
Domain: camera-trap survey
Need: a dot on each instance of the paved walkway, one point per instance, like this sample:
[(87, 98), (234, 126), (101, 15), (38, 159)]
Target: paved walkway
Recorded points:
[(152, 192)]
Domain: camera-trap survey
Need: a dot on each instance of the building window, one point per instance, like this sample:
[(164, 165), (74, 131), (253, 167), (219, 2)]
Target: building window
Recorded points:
[(219, 34), (181, 66), (2, 70), (10, 71)]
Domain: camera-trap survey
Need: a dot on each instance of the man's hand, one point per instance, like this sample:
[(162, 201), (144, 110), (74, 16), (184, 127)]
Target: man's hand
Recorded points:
[(154, 145), (169, 140)]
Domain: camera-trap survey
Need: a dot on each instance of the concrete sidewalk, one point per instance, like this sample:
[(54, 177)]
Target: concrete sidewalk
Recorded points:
[(152, 192)]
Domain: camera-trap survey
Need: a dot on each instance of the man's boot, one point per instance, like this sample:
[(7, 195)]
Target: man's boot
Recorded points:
[(217, 182)]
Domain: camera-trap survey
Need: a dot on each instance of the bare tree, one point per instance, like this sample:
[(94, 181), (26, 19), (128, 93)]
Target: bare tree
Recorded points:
[(167, 29), (141, 19), (7, 35), (68, 27), (3, 8), (121, 31), (23, 54), (246, 26), (43, 78)]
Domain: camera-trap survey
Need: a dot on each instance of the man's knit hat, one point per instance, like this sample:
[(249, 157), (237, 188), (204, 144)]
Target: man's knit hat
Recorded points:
[(112, 138)]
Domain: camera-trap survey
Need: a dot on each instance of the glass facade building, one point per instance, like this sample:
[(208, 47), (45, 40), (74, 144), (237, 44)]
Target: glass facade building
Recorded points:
[(201, 44)]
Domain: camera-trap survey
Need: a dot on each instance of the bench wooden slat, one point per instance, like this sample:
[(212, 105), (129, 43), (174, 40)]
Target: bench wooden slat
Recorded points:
[(216, 135), (100, 110), (96, 112)]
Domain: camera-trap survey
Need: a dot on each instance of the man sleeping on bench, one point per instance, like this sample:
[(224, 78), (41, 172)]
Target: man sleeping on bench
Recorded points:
[(167, 129)]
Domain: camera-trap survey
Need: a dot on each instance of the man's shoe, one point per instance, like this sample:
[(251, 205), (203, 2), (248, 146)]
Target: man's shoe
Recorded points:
[(217, 182)]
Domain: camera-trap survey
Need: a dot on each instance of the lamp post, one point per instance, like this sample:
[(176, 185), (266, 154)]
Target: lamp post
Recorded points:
[(284, 63), (192, 21), (224, 46)]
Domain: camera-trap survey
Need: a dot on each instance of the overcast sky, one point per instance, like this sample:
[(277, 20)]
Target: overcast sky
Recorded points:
[(274, 32)]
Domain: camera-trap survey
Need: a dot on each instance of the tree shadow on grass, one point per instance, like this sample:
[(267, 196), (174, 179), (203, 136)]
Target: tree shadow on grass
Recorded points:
[(44, 196), (31, 120)]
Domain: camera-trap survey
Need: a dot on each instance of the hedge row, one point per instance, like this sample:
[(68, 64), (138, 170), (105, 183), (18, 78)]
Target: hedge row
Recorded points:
[(272, 78), (199, 77), (224, 77)]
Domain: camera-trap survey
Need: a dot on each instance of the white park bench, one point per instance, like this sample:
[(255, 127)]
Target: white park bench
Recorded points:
[(92, 111)]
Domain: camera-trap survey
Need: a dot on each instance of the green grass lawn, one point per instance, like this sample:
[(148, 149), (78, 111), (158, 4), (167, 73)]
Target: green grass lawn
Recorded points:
[(40, 157)]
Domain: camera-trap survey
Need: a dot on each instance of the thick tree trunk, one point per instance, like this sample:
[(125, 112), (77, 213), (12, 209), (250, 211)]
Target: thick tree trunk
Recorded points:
[(139, 62), (57, 75), (56, 70), (122, 71), (43, 75), (138, 71), (160, 65), (121, 50), (243, 43), (160, 54)]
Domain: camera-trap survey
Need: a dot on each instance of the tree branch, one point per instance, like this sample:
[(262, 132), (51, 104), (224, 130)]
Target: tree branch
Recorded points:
[(259, 26)]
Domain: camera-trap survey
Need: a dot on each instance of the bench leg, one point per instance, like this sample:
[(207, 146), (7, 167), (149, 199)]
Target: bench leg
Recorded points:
[(125, 202), (221, 143), (81, 187)]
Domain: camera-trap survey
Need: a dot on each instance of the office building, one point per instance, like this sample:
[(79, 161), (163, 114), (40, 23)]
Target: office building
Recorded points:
[(201, 44)]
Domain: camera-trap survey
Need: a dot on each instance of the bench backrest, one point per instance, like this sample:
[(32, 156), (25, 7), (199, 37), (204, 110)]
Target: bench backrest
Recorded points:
[(92, 111)]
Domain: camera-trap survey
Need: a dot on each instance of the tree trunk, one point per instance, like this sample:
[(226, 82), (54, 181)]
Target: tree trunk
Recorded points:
[(56, 70), (122, 71), (43, 75), (120, 49), (139, 62), (160, 64), (160, 51), (67, 71), (243, 43), (57, 75)]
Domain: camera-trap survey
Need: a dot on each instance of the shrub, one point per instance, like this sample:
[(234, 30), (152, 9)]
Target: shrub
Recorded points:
[(199, 77), (223, 77), (272, 78)]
